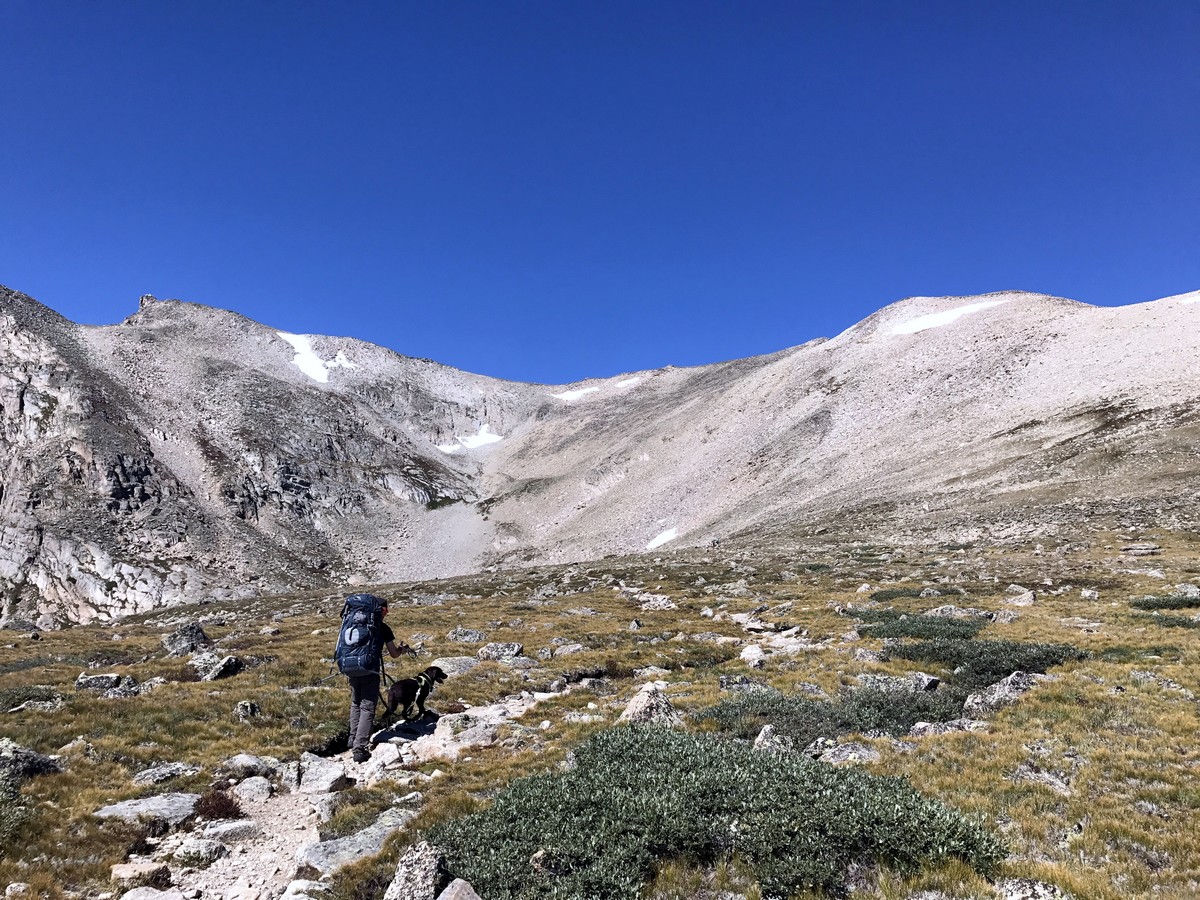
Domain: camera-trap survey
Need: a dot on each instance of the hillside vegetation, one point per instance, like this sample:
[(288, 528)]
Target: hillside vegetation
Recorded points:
[(1087, 781)]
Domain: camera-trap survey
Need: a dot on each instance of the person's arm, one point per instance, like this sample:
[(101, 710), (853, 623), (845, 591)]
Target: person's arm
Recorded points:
[(395, 651)]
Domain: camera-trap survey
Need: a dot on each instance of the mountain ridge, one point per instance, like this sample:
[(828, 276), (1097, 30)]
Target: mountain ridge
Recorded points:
[(187, 452)]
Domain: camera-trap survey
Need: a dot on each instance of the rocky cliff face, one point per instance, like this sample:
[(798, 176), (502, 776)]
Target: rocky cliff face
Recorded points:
[(190, 452)]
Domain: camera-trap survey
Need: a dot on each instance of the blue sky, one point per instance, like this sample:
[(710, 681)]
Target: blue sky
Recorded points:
[(547, 191)]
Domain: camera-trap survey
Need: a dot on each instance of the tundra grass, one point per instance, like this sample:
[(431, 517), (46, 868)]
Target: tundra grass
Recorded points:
[(1121, 744)]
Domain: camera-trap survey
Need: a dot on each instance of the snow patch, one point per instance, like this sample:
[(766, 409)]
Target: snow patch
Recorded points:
[(669, 535), (471, 441), (628, 382), (937, 320), (572, 395), (307, 360)]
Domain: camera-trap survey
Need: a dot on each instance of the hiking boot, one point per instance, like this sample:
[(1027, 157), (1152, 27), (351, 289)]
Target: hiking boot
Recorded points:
[(360, 755)]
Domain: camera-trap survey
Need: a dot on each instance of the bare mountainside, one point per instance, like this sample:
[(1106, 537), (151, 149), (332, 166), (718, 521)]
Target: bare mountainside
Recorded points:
[(189, 452)]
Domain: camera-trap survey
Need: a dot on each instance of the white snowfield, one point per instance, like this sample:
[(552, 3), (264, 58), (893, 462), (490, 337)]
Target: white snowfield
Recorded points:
[(470, 442), (938, 319), (573, 395), (309, 362), (669, 535)]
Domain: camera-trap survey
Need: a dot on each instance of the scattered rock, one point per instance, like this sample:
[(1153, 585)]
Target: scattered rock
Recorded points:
[(187, 639), (1028, 889), (200, 852), (924, 729), (831, 751), (1002, 693), (754, 656), (770, 741), (302, 889), (416, 875), (19, 763), (459, 890), (500, 651), (466, 636), (325, 856), (149, 893), (143, 874), (950, 611), (655, 603), (245, 765), (224, 668), (320, 775), (245, 710), (1089, 594), (568, 649), (1190, 591), (650, 706), (109, 685), (164, 772), (930, 592), (1026, 599), (456, 665), (230, 832), (1056, 781), (254, 789), (1142, 548), (170, 808)]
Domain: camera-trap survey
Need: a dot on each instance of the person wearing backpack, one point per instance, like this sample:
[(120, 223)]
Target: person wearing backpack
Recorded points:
[(359, 656)]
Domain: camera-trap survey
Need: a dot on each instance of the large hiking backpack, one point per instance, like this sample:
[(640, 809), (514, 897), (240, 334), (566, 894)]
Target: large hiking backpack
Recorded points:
[(358, 644)]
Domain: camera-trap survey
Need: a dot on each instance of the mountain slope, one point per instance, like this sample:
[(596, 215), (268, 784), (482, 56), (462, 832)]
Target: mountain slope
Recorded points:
[(190, 451)]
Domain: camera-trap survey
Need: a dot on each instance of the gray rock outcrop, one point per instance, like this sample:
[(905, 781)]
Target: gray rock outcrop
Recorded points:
[(416, 875), (185, 640), (170, 808), (1001, 694), (650, 706), (320, 776), (325, 856)]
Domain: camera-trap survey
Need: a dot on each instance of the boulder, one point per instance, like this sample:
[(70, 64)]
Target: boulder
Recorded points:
[(459, 890), (19, 763), (164, 772), (171, 808), (499, 651), (245, 710), (320, 775), (254, 789), (187, 639), (143, 874), (302, 889), (466, 636), (149, 893), (244, 765), (950, 611), (830, 751), (1028, 889), (771, 741), (754, 656), (1001, 694), (924, 729), (1190, 591), (231, 831), (568, 649), (1089, 594), (650, 706), (200, 852), (1029, 598), (416, 874), (224, 668), (102, 684), (456, 665), (325, 856)]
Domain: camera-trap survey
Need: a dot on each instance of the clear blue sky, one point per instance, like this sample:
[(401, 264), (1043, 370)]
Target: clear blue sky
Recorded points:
[(547, 191)]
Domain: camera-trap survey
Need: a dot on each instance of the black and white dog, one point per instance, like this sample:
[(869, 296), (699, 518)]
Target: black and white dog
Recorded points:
[(409, 693)]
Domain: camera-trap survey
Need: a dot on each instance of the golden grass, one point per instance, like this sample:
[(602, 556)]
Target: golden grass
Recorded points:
[(1118, 739)]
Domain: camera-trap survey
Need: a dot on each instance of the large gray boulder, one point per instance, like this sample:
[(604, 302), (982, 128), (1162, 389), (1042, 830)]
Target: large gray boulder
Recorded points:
[(19, 763), (171, 808), (325, 856), (187, 639), (459, 890), (164, 772), (456, 665), (498, 651), (416, 874), (254, 789), (650, 706), (466, 636), (245, 765), (110, 685), (320, 776), (1001, 694), (224, 668)]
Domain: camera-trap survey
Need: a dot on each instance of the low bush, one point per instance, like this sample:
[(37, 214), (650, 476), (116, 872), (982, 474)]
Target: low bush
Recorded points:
[(888, 594), (13, 815), (15, 696), (1170, 621), (217, 804), (1166, 603), (641, 795), (977, 664), (804, 719), (891, 623)]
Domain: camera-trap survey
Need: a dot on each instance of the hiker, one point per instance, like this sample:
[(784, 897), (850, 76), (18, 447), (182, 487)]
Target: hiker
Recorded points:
[(359, 656)]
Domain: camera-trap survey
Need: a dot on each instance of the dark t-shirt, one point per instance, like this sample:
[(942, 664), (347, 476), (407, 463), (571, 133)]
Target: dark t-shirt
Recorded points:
[(385, 634)]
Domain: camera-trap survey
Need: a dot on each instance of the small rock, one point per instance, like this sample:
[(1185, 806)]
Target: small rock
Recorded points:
[(466, 636), (325, 856), (416, 875), (244, 765), (1028, 889), (302, 889), (20, 763), (1026, 599), (1089, 594), (225, 668), (245, 710), (200, 852), (456, 665), (754, 656), (924, 729), (1190, 591), (1003, 693), (171, 808), (164, 772), (770, 741), (459, 890), (650, 706), (187, 639), (151, 874), (320, 775), (232, 831), (149, 893), (568, 649), (254, 789), (498, 651)]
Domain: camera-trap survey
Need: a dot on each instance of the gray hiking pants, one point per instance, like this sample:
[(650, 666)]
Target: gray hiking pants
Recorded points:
[(364, 694)]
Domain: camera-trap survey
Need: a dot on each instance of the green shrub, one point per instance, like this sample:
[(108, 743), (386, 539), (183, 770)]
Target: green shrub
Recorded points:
[(804, 720), (1170, 621), (1166, 603), (13, 815), (891, 623), (888, 594), (15, 696), (977, 664), (638, 795)]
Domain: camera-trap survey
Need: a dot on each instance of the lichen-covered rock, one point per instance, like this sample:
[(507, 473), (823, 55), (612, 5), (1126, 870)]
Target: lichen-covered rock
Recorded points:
[(185, 640), (255, 789), (19, 763), (459, 890), (164, 772), (456, 665), (416, 874), (200, 852), (1001, 694), (466, 636), (498, 651), (650, 706), (769, 740), (320, 776), (325, 856), (226, 667), (170, 808)]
